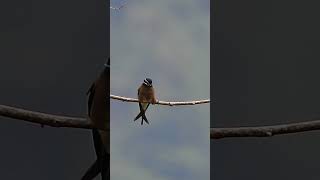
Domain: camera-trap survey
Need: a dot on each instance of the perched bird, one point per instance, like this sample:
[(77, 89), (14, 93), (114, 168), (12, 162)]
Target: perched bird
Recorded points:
[(99, 114), (146, 95)]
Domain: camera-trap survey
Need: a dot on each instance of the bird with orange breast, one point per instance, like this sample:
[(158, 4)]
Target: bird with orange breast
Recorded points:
[(146, 95)]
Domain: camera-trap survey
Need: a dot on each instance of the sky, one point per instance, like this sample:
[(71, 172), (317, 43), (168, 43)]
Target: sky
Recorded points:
[(167, 41)]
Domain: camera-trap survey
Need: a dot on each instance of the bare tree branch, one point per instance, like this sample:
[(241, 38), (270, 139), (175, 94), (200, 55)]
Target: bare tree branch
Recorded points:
[(264, 131), (126, 99), (74, 122), (215, 133), (44, 119)]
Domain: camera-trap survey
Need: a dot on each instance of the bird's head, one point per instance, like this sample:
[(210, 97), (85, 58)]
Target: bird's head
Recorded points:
[(148, 82)]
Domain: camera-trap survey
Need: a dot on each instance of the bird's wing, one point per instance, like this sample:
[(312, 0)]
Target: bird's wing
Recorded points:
[(90, 92), (93, 171), (139, 91), (97, 143), (144, 106)]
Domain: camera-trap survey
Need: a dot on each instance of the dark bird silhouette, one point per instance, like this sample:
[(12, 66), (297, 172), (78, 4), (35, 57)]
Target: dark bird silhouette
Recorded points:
[(146, 95), (99, 114)]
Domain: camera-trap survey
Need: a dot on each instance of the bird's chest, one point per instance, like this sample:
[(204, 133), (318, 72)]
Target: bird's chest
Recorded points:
[(145, 95)]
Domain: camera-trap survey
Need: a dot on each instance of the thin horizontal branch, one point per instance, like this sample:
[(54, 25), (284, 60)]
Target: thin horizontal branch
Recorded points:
[(264, 131), (126, 99), (44, 119), (74, 122), (215, 133)]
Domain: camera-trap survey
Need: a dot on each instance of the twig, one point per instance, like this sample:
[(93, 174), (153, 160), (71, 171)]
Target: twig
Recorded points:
[(264, 131), (126, 99), (44, 119)]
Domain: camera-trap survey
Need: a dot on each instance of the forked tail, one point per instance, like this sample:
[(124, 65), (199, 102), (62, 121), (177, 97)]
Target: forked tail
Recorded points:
[(144, 118)]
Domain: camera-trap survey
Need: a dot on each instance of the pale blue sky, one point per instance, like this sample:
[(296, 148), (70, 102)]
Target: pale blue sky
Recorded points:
[(167, 41)]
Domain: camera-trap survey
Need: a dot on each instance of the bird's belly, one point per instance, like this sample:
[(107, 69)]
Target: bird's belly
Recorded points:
[(144, 105)]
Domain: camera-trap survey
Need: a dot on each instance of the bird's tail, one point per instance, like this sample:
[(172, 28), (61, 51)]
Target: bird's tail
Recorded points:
[(93, 171), (99, 166), (105, 170), (102, 164), (144, 118)]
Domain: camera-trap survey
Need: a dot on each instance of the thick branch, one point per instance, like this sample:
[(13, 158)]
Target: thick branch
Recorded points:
[(44, 119), (126, 99), (264, 131)]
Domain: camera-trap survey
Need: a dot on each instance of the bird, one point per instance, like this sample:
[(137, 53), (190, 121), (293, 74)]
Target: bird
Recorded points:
[(99, 114), (146, 95)]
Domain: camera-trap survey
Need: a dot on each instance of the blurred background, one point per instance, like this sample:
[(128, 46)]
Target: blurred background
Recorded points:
[(51, 52), (265, 71), (167, 41)]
